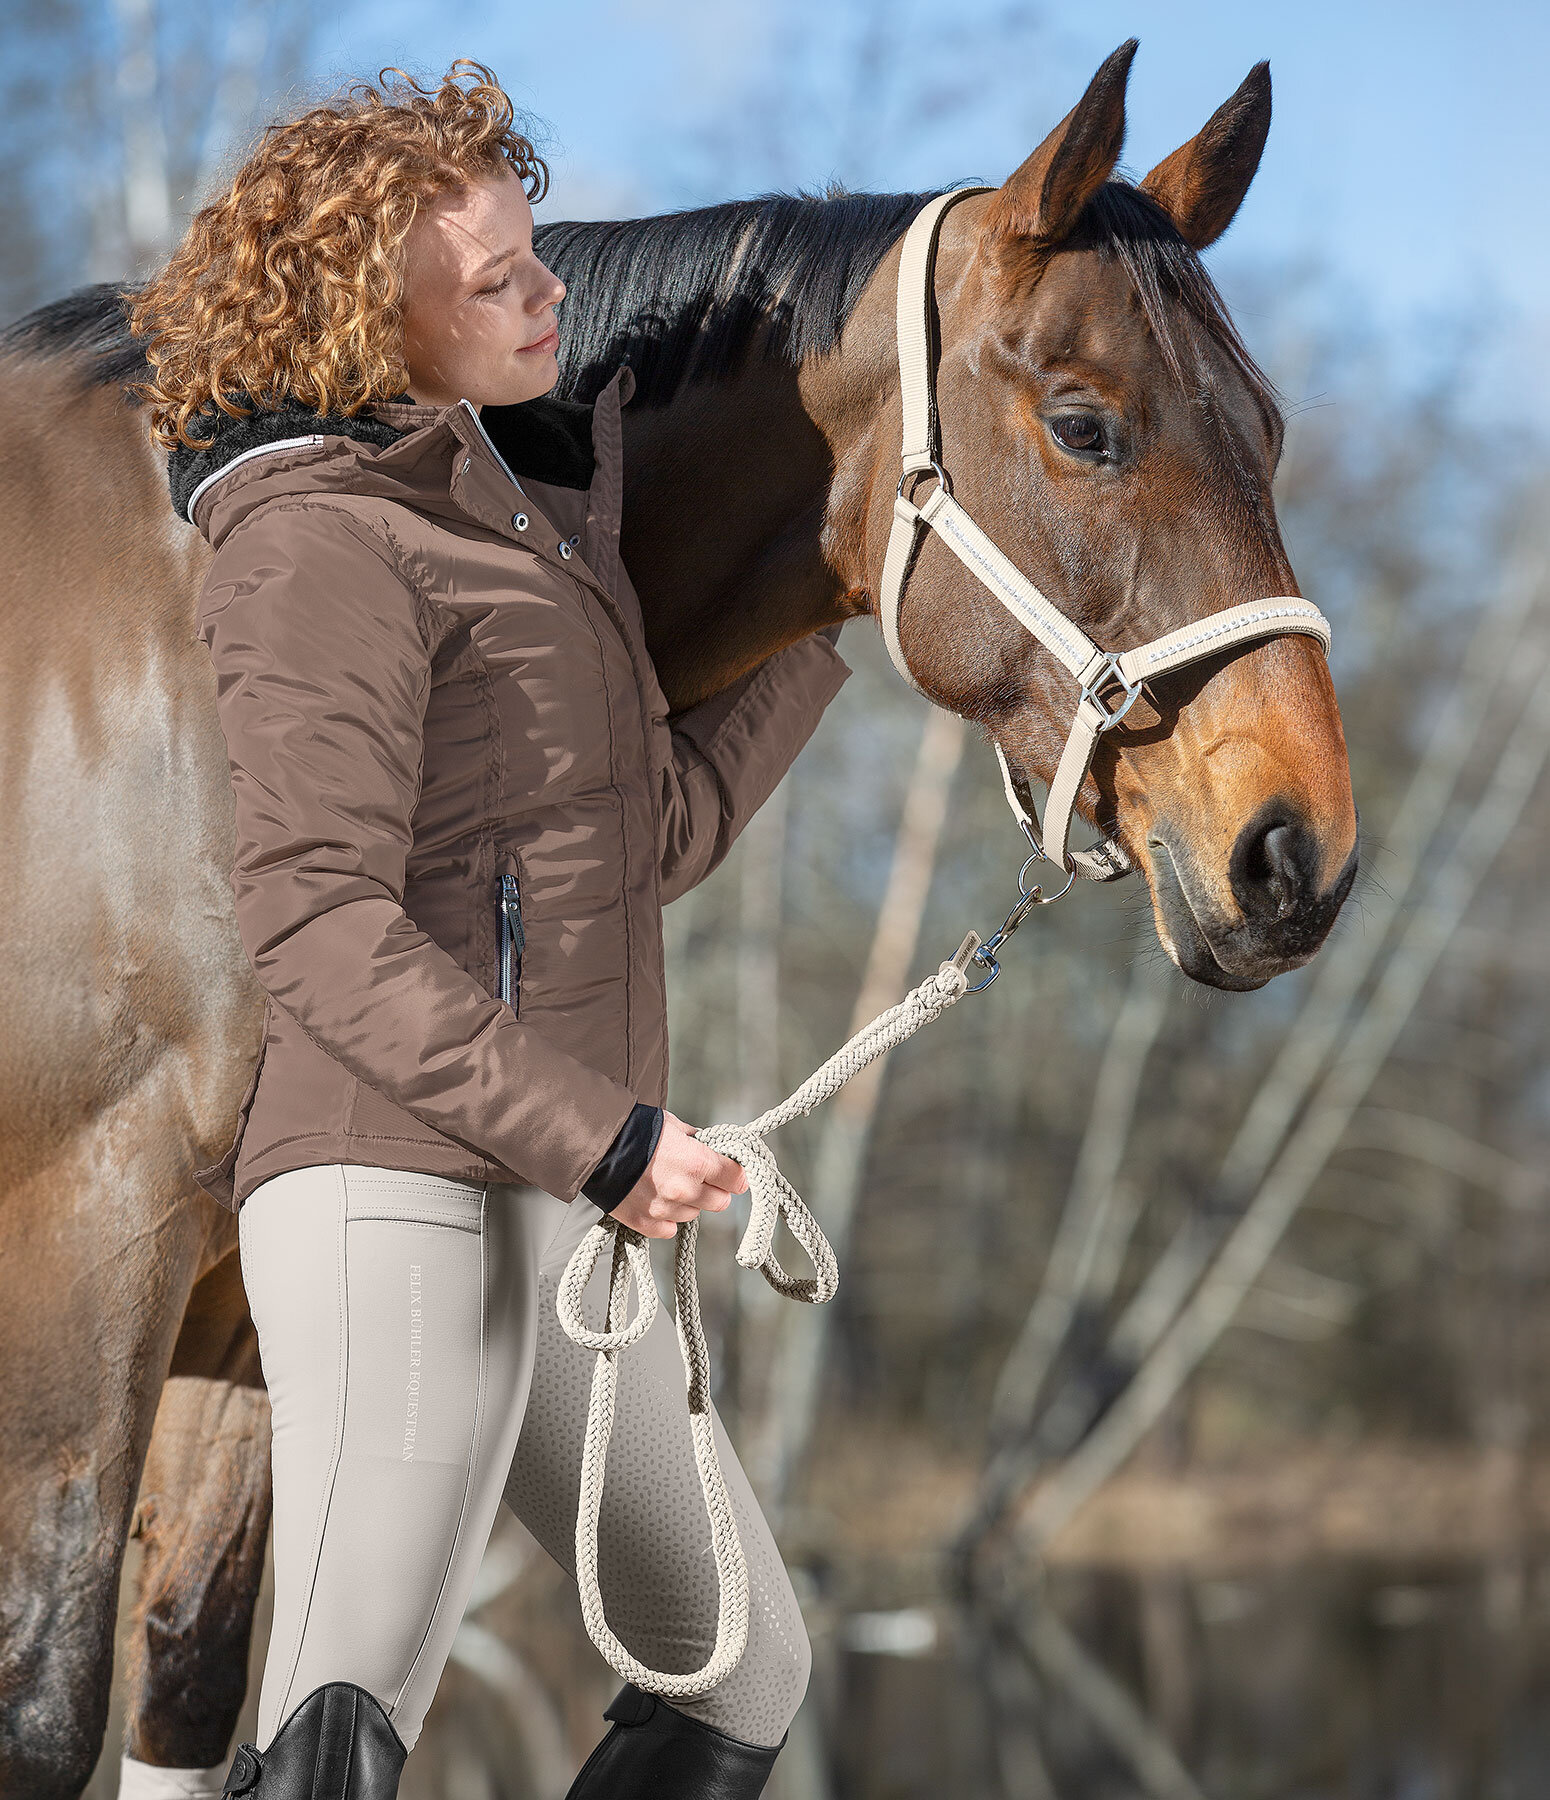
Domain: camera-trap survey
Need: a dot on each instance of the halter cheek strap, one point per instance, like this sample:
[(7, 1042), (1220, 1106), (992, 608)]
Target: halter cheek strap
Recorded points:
[(1108, 683)]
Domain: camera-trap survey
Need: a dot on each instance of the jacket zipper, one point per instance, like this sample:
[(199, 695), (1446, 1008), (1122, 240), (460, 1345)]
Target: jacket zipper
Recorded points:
[(511, 938), (490, 443), (290, 443)]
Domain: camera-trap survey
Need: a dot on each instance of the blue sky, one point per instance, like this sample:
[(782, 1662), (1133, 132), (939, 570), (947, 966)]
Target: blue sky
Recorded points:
[(1403, 157)]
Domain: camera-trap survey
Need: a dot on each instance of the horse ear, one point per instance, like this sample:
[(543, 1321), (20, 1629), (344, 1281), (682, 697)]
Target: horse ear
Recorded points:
[(1041, 200), (1202, 184)]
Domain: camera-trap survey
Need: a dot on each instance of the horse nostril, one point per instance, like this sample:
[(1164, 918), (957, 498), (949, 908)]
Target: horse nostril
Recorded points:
[(1281, 849), (1274, 867)]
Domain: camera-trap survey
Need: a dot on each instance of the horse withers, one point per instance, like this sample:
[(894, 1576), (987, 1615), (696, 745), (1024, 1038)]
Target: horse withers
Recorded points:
[(1103, 422)]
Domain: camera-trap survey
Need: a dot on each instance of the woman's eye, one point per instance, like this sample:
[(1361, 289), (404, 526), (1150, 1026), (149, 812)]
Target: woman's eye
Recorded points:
[(1078, 431), (499, 286)]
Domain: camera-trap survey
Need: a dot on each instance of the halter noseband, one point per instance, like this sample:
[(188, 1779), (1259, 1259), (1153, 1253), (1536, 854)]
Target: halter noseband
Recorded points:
[(1109, 681)]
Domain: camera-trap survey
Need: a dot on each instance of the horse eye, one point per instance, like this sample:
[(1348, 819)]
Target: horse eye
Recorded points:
[(1077, 431)]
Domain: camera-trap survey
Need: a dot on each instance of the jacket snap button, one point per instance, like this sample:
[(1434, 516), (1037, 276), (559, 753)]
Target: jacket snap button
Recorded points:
[(576, 539), (564, 548), (520, 521), (468, 463)]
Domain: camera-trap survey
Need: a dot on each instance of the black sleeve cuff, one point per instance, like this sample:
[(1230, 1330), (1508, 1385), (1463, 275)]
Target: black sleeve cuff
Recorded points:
[(625, 1160)]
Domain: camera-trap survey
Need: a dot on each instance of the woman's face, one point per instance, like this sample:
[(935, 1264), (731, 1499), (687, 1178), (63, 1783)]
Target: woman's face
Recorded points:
[(478, 305)]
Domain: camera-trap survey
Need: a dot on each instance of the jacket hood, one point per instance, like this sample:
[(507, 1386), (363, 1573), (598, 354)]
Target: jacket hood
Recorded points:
[(295, 448)]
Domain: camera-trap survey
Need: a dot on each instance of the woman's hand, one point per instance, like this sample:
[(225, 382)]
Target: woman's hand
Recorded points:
[(683, 1178)]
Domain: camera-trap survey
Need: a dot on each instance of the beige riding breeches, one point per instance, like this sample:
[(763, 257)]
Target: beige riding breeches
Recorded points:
[(418, 1375)]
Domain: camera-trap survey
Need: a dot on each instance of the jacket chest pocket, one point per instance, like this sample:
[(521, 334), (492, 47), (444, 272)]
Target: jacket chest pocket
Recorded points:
[(508, 933)]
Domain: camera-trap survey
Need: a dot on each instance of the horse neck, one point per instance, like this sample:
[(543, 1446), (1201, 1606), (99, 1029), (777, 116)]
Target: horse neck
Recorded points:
[(728, 492)]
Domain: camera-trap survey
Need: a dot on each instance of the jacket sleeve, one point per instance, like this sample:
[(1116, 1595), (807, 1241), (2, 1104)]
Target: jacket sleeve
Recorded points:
[(322, 680), (729, 753)]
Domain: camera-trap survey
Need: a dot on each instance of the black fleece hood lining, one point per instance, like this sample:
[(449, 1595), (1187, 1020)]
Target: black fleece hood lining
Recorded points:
[(544, 439)]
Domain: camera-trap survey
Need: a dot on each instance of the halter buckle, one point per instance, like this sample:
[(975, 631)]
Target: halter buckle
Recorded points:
[(1110, 673)]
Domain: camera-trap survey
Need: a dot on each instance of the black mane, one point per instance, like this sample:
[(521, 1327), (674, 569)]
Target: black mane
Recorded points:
[(683, 295), (89, 326)]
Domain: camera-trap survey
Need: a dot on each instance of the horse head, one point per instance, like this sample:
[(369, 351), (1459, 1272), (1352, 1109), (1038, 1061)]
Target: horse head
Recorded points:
[(1108, 430)]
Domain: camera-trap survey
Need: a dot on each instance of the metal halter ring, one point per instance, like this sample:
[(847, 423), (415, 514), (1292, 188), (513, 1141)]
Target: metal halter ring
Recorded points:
[(1109, 671), (1040, 854), (936, 469), (1050, 900)]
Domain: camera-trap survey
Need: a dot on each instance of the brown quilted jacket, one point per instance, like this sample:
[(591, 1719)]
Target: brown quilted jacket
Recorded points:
[(460, 801)]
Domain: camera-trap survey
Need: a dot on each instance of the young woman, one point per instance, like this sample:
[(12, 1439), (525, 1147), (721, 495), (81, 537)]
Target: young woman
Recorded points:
[(460, 805)]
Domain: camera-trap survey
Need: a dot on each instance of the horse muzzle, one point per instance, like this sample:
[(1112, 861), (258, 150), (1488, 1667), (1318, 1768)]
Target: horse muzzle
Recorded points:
[(1267, 912)]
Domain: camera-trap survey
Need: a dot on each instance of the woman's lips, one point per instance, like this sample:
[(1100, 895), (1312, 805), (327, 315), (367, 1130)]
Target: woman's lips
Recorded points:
[(547, 342)]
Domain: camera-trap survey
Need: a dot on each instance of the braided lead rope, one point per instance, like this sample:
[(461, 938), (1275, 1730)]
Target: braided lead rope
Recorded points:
[(772, 1197)]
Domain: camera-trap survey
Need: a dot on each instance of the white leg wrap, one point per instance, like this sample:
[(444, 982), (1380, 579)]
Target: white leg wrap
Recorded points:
[(143, 1781)]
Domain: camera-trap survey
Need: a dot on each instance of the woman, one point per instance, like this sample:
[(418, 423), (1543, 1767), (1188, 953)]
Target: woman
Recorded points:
[(460, 806)]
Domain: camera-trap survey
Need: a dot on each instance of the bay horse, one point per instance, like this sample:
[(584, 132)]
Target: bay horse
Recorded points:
[(1108, 428)]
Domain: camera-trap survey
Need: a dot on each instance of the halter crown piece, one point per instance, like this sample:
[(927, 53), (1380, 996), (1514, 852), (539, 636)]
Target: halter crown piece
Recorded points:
[(1109, 683)]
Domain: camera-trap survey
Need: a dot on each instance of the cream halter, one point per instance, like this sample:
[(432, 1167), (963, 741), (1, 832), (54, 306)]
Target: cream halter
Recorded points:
[(1099, 673)]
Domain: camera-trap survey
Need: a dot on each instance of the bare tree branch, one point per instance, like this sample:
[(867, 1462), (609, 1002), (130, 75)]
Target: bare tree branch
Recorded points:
[(1057, 1654), (1433, 1141)]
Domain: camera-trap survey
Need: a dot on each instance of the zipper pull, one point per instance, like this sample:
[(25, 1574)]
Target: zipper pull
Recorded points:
[(510, 905)]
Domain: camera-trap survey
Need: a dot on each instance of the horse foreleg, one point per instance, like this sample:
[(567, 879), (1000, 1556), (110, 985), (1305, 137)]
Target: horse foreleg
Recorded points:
[(203, 1519), (99, 1262)]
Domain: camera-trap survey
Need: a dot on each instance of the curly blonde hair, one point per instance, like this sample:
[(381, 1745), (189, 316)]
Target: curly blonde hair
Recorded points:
[(288, 285)]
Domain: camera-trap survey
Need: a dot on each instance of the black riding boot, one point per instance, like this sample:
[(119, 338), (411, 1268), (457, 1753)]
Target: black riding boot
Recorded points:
[(655, 1752), (339, 1744)]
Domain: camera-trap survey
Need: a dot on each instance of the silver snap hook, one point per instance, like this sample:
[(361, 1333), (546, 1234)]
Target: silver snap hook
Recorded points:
[(520, 521)]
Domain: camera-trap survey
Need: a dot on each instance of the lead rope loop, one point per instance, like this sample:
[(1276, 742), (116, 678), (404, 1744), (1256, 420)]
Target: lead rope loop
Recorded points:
[(772, 1197)]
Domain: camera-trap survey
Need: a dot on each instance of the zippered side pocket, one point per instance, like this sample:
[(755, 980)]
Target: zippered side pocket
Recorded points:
[(509, 940)]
